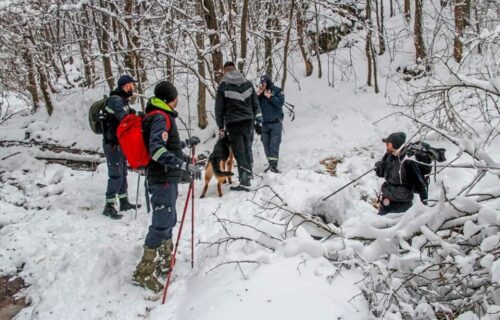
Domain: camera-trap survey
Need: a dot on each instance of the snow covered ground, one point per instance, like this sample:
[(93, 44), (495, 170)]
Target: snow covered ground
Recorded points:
[(78, 263)]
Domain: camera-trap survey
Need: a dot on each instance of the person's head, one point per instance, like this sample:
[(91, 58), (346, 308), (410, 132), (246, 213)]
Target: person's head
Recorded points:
[(228, 67), (127, 83), (167, 92), (394, 141), (265, 81)]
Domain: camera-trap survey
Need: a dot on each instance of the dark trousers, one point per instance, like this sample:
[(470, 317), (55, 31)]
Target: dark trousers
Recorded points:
[(163, 199), (117, 172), (240, 135), (394, 207), (271, 139)]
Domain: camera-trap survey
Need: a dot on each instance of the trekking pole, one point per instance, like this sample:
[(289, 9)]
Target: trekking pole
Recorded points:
[(192, 208), (345, 186), (137, 194), (172, 262)]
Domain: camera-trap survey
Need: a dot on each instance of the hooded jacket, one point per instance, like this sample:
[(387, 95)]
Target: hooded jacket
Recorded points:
[(272, 108), (236, 100)]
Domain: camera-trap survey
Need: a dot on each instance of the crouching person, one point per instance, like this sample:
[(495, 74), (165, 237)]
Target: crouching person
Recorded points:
[(164, 172), (402, 177)]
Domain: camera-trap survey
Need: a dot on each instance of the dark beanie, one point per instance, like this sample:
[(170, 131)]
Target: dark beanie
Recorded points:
[(165, 91), (397, 139)]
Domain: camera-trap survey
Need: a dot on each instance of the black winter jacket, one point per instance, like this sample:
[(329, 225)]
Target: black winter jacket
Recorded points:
[(402, 178), (236, 100), (164, 146), (116, 109)]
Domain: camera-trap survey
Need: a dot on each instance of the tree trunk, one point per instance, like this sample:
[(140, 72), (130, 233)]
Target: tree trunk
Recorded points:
[(44, 87), (316, 42), (268, 43), (243, 36), (368, 43), (103, 40), (31, 83), (419, 40), (380, 25), (287, 45), (300, 34), (202, 93), (406, 9), (459, 28), (391, 4), (211, 21)]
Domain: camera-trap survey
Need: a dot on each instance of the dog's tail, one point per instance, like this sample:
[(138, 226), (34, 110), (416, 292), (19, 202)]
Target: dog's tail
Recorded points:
[(216, 165)]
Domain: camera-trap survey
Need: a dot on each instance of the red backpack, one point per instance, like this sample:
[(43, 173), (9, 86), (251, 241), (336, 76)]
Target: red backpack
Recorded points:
[(131, 140)]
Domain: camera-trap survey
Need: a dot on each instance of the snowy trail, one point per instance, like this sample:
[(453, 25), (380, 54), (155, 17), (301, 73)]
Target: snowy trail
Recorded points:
[(79, 264)]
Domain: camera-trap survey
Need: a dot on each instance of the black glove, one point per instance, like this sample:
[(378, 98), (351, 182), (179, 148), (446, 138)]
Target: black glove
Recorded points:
[(192, 141), (132, 111), (379, 168), (141, 114), (192, 170), (258, 129)]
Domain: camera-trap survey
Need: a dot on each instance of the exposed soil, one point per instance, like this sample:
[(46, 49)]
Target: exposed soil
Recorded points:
[(9, 304)]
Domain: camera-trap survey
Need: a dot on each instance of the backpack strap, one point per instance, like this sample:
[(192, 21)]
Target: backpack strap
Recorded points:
[(165, 115)]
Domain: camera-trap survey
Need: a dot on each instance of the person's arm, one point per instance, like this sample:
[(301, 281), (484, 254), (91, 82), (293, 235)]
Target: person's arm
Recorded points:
[(158, 138), (219, 107), (116, 107), (277, 99), (380, 166), (256, 108), (416, 179)]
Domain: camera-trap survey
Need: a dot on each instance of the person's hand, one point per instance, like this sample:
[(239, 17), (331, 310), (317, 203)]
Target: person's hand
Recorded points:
[(268, 94), (193, 171), (222, 133), (260, 90), (192, 141), (258, 129)]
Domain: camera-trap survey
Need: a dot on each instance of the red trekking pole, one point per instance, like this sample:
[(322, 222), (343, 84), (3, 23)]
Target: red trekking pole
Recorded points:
[(192, 209), (172, 262)]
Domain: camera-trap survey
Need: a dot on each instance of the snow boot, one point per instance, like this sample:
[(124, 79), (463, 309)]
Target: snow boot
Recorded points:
[(126, 205), (164, 257), (110, 211), (144, 272), (273, 166), (244, 183)]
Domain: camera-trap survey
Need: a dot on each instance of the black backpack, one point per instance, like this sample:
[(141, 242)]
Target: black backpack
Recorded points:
[(96, 115), (426, 154)]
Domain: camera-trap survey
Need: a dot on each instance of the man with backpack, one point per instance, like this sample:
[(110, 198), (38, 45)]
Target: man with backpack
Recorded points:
[(164, 171), (271, 102), (117, 107), (402, 176), (236, 110)]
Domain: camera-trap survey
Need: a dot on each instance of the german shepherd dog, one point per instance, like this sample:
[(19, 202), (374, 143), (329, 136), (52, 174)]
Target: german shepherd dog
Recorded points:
[(220, 164)]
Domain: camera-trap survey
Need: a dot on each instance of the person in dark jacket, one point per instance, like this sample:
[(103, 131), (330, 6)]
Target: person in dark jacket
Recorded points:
[(116, 109), (236, 110), (402, 177), (271, 102), (164, 172)]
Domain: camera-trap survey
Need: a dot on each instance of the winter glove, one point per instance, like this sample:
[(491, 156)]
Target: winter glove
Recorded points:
[(379, 168), (192, 141), (192, 170), (141, 114), (132, 111), (222, 133), (258, 129)]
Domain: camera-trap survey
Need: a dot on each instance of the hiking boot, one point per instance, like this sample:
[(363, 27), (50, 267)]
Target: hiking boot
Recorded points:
[(245, 179), (144, 272), (164, 258), (240, 188), (110, 211), (126, 205), (274, 169)]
